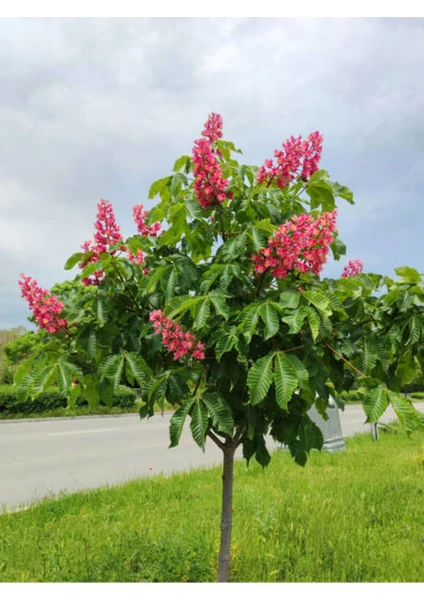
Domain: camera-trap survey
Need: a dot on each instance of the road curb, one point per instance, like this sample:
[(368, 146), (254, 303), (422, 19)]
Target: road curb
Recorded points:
[(75, 417)]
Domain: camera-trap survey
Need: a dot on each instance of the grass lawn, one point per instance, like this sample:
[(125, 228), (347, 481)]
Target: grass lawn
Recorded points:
[(356, 516)]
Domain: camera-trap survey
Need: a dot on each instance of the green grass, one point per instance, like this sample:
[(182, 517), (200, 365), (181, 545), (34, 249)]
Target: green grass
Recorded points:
[(70, 412), (418, 395), (79, 411), (356, 516)]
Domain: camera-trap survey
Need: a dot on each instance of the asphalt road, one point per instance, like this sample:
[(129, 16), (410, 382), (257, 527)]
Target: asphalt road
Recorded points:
[(45, 457)]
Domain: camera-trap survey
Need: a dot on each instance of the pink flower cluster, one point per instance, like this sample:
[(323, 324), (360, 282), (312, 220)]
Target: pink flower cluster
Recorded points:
[(138, 258), (175, 339), (209, 184), (107, 233), (353, 267), (140, 217), (45, 307), (301, 244), (297, 157), (213, 127)]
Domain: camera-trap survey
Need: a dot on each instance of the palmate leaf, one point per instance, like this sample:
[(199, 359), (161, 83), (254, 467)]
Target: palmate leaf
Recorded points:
[(270, 318), (177, 422), (220, 305), (157, 392), (300, 370), (285, 379), (249, 321), (295, 319), (92, 344), (73, 260), (369, 356), (410, 418), (138, 368), (102, 311), (375, 403), (220, 412), (202, 313), (111, 368), (64, 378), (319, 301), (199, 423), (169, 282), (43, 379), (259, 378), (314, 321), (225, 343)]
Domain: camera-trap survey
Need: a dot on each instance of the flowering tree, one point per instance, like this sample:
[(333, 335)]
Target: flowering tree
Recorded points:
[(217, 306)]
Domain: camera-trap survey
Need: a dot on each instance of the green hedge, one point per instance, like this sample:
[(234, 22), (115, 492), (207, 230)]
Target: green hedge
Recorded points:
[(52, 399)]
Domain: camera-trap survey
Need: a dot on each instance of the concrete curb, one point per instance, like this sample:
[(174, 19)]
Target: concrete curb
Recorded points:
[(76, 417)]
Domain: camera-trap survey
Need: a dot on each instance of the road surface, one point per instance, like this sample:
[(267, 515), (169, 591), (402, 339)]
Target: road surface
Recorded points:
[(45, 457)]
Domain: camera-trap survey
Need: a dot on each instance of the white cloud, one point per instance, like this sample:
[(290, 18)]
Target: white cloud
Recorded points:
[(99, 107)]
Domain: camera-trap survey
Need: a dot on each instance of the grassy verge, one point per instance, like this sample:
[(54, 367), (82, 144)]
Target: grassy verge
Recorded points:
[(70, 412), (79, 411), (356, 516)]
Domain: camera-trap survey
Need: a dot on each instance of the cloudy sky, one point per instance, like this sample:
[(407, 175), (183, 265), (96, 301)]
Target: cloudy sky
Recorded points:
[(95, 108)]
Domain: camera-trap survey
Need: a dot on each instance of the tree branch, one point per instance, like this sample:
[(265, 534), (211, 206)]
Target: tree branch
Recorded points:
[(344, 359)]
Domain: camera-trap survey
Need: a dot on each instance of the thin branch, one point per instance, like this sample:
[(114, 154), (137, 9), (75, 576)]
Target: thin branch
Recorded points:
[(238, 436), (344, 359), (217, 441)]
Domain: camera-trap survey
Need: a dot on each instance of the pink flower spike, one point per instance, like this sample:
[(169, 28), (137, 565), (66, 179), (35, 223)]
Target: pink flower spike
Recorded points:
[(353, 267), (107, 233), (45, 307), (181, 343)]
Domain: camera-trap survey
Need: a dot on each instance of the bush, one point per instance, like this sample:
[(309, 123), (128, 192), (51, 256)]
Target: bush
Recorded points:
[(52, 400)]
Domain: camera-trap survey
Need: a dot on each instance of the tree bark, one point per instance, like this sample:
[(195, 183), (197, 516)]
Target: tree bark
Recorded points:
[(226, 513)]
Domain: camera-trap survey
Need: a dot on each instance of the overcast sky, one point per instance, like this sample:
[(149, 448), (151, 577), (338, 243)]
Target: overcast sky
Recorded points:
[(93, 108)]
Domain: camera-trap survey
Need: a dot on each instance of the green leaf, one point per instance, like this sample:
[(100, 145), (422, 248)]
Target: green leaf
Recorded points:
[(290, 299), (43, 379), (338, 248), (224, 344), (177, 422), (259, 379), (138, 368), (181, 163), (320, 175), (181, 304), (157, 392), (408, 275), (375, 403), (250, 318), (199, 423), (415, 330), (313, 321), (300, 370), (169, 282), (295, 319), (285, 379), (202, 313), (319, 301), (220, 411), (64, 378), (92, 344), (220, 305), (157, 186), (341, 191), (73, 260), (406, 368), (270, 318), (102, 311), (406, 413), (258, 238), (369, 356)]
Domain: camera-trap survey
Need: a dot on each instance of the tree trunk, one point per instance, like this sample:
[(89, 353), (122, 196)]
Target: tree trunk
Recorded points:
[(226, 513)]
